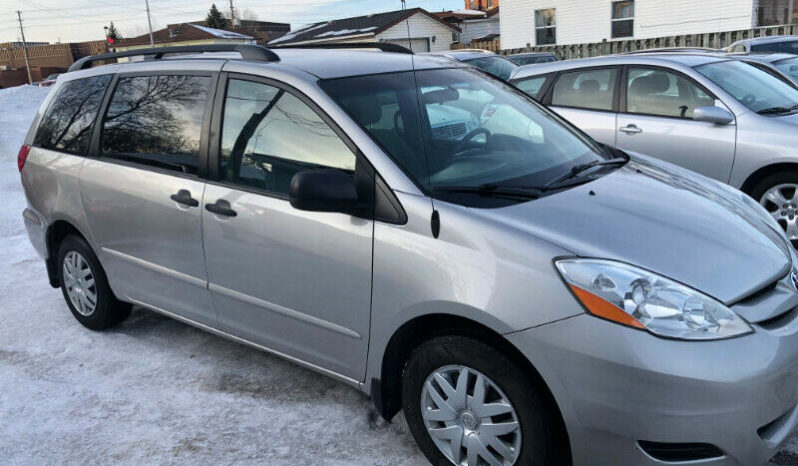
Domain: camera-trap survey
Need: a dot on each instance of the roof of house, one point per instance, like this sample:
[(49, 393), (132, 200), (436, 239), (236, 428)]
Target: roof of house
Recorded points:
[(462, 15), (182, 32), (355, 26)]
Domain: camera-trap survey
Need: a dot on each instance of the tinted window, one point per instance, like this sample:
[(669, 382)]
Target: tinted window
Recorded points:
[(784, 47), (67, 123), (157, 120), (655, 92), (592, 89), (497, 66), (531, 86), (532, 59), (268, 135)]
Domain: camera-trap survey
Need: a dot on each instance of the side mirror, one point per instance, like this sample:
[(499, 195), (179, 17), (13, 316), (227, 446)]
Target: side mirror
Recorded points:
[(717, 115), (326, 190)]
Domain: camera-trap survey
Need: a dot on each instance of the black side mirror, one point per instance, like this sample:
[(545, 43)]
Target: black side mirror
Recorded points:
[(326, 190)]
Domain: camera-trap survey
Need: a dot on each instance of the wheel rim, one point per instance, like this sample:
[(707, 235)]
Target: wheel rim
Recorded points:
[(469, 418), (782, 203), (79, 283)]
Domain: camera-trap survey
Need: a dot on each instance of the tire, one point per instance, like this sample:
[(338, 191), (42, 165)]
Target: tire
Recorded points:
[(105, 310), (540, 445), (786, 217)]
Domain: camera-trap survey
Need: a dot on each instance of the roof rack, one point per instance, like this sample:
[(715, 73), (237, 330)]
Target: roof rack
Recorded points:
[(247, 51), (383, 46)]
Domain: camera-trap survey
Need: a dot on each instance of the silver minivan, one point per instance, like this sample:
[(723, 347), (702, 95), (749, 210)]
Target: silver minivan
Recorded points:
[(714, 114), (525, 294)]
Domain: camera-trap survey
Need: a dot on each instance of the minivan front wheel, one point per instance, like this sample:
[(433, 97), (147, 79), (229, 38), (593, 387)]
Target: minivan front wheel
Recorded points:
[(85, 286), (468, 404)]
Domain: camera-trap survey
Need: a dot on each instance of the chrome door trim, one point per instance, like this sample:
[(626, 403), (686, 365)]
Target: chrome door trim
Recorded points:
[(156, 268), (215, 331), (276, 308)]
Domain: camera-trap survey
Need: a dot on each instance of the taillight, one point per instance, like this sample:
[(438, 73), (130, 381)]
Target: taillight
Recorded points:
[(22, 156)]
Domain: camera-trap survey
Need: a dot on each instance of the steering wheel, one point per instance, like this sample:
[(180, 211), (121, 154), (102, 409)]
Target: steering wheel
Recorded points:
[(468, 137), (748, 100)]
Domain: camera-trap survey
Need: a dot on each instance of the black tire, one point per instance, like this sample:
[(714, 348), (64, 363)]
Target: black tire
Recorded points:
[(108, 310), (762, 186), (541, 445)]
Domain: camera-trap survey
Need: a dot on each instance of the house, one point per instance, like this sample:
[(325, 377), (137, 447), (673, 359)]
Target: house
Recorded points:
[(483, 5), (475, 25), (183, 34), (426, 32), (542, 22)]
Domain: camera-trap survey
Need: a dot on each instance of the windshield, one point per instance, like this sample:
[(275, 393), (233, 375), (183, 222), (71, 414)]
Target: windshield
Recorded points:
[(473, 131), (789, 67), (497, 66), (756, 89), (784, 46)]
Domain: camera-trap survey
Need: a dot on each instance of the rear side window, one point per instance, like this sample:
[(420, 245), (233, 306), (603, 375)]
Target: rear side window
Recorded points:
[(67, 123), (591, 89), (157, 121), (532, 86), (783, 47)]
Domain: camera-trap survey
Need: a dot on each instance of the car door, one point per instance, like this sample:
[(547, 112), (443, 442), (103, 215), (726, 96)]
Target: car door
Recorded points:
[(295, 282), (142, 191), (657, 120), (587, 98)]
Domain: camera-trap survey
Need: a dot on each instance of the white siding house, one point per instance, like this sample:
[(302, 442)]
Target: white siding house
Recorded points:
[(585, 21), (427, 34)]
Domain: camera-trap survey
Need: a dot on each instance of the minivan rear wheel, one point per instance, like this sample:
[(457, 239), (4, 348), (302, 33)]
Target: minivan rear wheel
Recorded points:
[(85, 286), (778, 194), (468, 404)]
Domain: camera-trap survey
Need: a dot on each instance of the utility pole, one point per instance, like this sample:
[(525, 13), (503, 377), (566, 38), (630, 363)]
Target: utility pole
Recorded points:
[(149, 21), (232, 15), (24, 46)]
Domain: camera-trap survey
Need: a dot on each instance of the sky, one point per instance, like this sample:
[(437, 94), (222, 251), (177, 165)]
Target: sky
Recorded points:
[(80, 20)]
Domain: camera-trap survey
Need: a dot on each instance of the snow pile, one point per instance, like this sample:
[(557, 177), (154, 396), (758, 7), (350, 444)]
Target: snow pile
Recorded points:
[(221, 33)]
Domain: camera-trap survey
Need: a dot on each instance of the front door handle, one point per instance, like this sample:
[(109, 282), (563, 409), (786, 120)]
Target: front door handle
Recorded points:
[(631, 129), (221, 207), (184, 197)]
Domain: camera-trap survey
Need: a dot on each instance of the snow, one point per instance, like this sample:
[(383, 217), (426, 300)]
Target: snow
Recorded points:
[(221, 33), (346, 32), (469, 12), (293, 34), (153, 390)]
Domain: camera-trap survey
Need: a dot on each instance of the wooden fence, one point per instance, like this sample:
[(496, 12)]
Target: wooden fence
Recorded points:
[(715, 40), (53, 55)]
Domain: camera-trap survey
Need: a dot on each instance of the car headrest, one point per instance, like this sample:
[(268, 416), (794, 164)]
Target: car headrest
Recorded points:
[(589, 85), (653, 83), (366, 111)]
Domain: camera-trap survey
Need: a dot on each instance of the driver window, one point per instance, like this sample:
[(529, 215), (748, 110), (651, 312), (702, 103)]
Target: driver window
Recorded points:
[(661, 93)]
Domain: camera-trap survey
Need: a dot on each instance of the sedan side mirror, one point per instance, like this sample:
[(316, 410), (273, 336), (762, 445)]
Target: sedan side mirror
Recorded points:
[(326, 190), (717, 115)]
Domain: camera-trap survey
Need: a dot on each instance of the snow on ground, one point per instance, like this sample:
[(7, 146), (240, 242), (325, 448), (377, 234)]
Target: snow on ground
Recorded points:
[(155, 391)]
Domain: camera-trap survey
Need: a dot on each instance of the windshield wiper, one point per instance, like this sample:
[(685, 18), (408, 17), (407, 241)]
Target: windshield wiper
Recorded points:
[(575, 171), (493, 190), (776, 110)]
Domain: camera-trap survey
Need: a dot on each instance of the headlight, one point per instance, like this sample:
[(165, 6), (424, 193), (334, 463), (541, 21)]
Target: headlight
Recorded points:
[(638, 298)]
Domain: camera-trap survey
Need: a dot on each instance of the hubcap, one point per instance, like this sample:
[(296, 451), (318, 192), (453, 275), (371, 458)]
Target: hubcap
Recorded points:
[(79, 283), (469, 418), (782, 203)]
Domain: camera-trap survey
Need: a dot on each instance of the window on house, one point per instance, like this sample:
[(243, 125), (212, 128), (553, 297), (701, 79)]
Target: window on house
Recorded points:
[(623, 18), (775, 12), (545, 27)]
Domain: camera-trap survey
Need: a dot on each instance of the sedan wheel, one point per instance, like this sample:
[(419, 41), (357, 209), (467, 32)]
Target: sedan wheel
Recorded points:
[(782, 203)]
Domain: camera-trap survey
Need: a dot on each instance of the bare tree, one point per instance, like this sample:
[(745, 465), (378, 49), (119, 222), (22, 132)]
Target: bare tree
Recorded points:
[(249, 15)]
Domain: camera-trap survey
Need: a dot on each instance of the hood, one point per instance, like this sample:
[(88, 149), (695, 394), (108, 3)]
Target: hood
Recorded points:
[(667, 220), (791, 119)]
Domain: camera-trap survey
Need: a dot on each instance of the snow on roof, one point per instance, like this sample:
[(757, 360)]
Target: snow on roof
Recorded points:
[(469, 12), (295, 33), (346, 32), (221, 33)]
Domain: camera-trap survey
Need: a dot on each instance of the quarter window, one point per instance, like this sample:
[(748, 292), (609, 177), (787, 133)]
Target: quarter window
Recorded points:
[(531, 86), (546, 26), (157, 121), (591, 89), (623, 14), (269, 135), (67, 123), (655, 92)]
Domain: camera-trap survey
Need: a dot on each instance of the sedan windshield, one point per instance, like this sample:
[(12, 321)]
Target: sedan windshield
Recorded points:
[(788, 66), (783, 46), (500, 67), (758, 90), (467, 132)]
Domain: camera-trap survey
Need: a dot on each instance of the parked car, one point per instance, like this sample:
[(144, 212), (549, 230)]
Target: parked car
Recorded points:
[(522, 59), (486, 61), (676, 50), (49, 80), (525, 294), (713, 114), (780, 44), (784, 63)]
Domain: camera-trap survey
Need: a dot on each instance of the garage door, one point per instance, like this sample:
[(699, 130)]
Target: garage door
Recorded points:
[(417, 45)]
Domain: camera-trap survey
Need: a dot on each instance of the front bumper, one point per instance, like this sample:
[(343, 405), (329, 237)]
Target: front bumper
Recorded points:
[(616, 386)]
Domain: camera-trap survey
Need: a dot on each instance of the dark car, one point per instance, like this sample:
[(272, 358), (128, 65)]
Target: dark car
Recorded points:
[(534, 58), (486, 61)]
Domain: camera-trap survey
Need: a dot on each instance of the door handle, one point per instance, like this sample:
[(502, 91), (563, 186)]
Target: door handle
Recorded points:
[(184, 197), (631, 129), (221, 207)]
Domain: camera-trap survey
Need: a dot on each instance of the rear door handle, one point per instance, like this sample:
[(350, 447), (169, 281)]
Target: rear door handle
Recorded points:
[(184, 197), (631, 129), (221, 207)]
